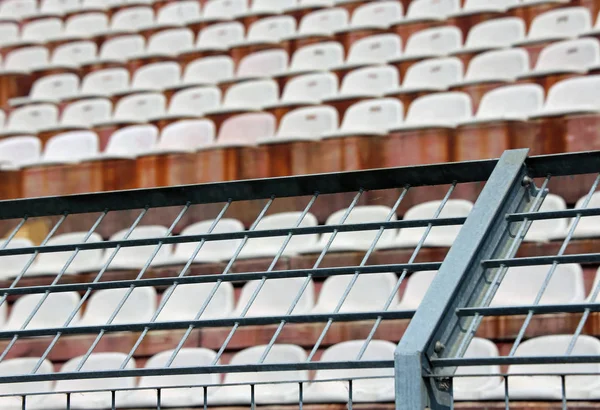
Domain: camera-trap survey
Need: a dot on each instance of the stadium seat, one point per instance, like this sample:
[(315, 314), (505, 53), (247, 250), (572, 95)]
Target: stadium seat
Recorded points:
[(122, 48), (371, 50), (246, 129), (224, 9), (269, 247), (52, 88), (559, 24), (53, 313), (192, 102), (511, 102), (307, 89), (277, 393), (416, 287), (156, 76), (20, 366), (438, 110), (208, 70), (439, 235), (316, 57), (26, 59), (363, 390), (179, 13), (497, 65), (308, 123), (572, 96), (219, 36), (170, 42), (69, 147), (477, 11), (85, 113), (549, 387), (370, 292), (41, 30), (424, 13), (19, 151), (17, 9), (101, 399), (28, 119), (211, 251), (139, 307), (86, 24), (521, 285), (139, 108), (323, 22), (131, 141), (361, 240), (137, 257), (262, 64), (376, 14), (9, 33), (74, 54), (185, 135), (54, 262), (276, 297), (587, 227), (473, 388), (270, 30), (174, 397), (58, 7), (104, 83), (187, 300), (544, 232), (132, 19), (260, 7), (12, 265), (247, 96)]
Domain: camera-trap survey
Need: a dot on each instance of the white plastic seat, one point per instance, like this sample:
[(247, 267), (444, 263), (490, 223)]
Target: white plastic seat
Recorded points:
[(370, 117), (185, 136), (54, 88), (573, 96), (224, 9), (92, 400), (179, 12), (473, 388), (309, 89), (437, 41), (589, 226), (270, 246), (86, 112), (74, 54), (568, 56), (70, 147), (12, 265), (548, 387), (17, 151), (157, 76), (320, 56), (211, 251), (262, 64), (130, 142), (132, 19), (276, 297), (21, 366), (86, 24), (306, 124), (376, 49), (178, 397), (220, 36), (17, 9), (360, 240), (438, 110), (187, 300), (53, 313), (483, 6), (9, 32), (31, 118), (140, 107), (58, 7), (246, 129), (139, 307), (137, 256), (53, 263), (511, 102), (496, 33), (369, 82), (122, 48), (439, 235), (363, 390), (370, 292), (26, 59), (170, 42), (379, 14), (542, 231), (416, 287), (194, 101), (263, 393), (431, 9), (249, 96), (105, 82), (209, 70), (559, 24), (271, 29), (323, 22), (432, 74), (271, 6), (42, 30), (521, 285)]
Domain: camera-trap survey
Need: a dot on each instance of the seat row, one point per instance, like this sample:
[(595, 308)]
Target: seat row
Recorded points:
[(327, 386)]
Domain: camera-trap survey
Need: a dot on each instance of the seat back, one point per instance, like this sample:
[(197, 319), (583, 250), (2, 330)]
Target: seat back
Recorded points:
[(375, 49), (325, 21), (416, 288), (139, 307), (221, 35), (55, 87), (580, 54), (224, 9), (195, 101), (375, 80), (272, 28), (561, 22), (75, 53), (32, 117), (310, 87), (87, 24), (87, 112), (478, 348), (141, 107), (544, 232), (251, 94), (211, 250), (71, 146), (435, 41), (157, 76), (209, 70), (17, 9), (519, 100), (179, 12), (186, 357), (578, 92), (97, 362), (263, 63), (434, 72), (379, 14), (132, 140), (122, 47), (275, 297), (171, 42), (498, 65), (25, 365), (138, 256), (320, 56), (27, 58), (105, 82), (59, 6), (42, 29), (426, 9), (54, 311), (187, 301), (310, 122), (56, 261), (132, 19), (501, 5), (378, 115), (494, 33), (272, 5), (9, 32), (187, 135), (13, 265), (450, 107), (247, 128)]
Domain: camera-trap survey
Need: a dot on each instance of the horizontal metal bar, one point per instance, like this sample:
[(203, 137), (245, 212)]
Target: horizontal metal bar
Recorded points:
[(375, 179), (582, 258), (565, 213), (209, 323), (320, 229), (173, 371), (508, 360), (575, 163), (522, 310), (230, 277)]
